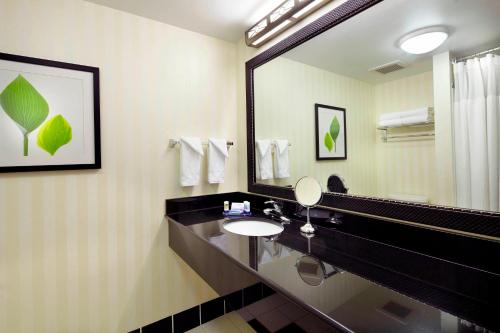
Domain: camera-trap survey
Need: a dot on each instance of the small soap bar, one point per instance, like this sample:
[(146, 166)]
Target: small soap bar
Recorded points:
[(237, 206)]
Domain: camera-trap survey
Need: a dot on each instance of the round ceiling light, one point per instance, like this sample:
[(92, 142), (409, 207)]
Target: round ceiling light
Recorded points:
[(423, 40)]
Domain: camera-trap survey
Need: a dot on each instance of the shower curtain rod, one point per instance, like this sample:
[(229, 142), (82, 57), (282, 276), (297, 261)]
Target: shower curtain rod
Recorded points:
[(477, 54), (470, 57)]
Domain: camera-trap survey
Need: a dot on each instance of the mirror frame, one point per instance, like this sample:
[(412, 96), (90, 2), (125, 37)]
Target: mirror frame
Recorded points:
[(475, 223)]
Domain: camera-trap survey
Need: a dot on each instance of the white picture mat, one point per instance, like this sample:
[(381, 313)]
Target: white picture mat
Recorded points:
[(325, 116), (68, 93)]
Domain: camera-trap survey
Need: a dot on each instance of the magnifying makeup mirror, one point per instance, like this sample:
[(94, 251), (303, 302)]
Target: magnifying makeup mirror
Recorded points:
[(308, 193)]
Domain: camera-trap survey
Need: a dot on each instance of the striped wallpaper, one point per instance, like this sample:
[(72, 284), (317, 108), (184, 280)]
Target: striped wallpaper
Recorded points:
[(405, 167), (285, 94), (87, 251)]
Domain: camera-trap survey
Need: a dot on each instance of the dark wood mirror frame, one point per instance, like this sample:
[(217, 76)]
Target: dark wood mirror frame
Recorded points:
[(464, 221)]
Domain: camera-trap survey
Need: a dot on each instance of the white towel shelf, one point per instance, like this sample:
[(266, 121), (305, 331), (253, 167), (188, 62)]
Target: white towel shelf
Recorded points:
[(174, 142)]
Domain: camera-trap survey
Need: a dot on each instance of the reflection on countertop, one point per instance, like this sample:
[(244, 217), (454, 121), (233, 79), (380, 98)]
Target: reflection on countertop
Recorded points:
[(375, 287)]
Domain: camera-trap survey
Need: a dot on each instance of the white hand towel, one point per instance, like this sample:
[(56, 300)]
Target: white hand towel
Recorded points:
[(190, 166), (264, 159), (281, 158), (217, 155)]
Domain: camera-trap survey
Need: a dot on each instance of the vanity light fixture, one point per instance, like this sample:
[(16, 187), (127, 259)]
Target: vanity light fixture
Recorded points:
[(286, 15), (423, 40)]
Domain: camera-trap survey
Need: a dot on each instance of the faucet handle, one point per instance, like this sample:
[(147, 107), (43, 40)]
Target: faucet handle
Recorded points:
[(271, 202), (276, 205)]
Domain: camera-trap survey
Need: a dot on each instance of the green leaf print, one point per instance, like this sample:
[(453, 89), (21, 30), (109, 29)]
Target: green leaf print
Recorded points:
[(54, 134), (25, 106)]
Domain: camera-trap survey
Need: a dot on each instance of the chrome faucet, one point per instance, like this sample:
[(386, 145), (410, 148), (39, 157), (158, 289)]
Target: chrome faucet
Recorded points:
[(276, 212)]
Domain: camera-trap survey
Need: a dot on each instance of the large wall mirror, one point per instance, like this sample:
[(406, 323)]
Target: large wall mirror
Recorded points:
[(387, 132)]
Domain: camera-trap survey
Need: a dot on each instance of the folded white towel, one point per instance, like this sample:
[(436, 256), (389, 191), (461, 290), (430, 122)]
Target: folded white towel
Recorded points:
[(264, 159), (425, 111), (281, 158), (217, 155), (191, 152), (418, 116), (415, 120)]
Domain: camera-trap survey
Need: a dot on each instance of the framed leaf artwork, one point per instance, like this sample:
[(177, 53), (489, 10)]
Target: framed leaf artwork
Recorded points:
[(49, 115), (331, 138)]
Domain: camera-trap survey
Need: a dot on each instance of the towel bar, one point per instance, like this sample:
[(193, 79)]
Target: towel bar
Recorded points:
[(387, 138), (424, 124), (173, 142)]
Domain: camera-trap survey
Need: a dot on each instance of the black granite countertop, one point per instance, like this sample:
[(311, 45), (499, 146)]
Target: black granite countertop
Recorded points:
[(370, 286)]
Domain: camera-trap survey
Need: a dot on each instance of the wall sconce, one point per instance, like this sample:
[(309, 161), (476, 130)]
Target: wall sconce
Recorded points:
[(286, 15)]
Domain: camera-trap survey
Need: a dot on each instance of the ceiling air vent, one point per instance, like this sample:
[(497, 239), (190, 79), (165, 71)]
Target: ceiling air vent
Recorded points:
[(389, 67)]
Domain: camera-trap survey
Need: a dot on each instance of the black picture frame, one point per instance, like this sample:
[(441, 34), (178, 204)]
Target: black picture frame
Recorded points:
[(96, 114), (469, 222), (318, 137)]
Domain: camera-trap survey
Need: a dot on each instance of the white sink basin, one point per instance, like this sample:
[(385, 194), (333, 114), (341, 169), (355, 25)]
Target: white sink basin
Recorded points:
[(252, 227)]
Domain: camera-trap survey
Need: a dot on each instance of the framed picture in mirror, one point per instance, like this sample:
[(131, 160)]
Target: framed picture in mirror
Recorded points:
[(331, 143)]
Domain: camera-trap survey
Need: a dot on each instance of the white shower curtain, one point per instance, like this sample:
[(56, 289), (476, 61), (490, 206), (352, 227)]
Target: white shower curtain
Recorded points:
[(476, 118)]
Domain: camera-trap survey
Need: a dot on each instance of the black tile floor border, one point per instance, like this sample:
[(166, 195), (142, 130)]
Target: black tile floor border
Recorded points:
[(257, 326), (252, 294), (212, 309), (203, 313), (234, 301), (162, 325), (267, 291), (291, 328), (187, 319)]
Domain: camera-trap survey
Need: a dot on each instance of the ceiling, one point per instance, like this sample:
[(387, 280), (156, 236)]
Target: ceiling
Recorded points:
[(223, 19), (370, 38)]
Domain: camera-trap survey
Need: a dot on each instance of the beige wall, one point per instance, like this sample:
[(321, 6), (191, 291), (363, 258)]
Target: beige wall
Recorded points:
[(405, 167), (286, 89), (87, 251), (285, 94), (445, 181)]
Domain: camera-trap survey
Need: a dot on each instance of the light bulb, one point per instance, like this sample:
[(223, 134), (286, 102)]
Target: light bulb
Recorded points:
[(423, 41)]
